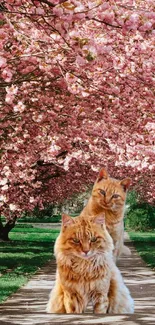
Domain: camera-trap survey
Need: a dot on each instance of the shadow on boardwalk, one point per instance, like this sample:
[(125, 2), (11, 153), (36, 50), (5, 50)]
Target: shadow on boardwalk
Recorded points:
[(27, 306)]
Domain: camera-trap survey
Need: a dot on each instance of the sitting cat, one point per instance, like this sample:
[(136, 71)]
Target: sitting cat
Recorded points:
[(86, 270), (108, 197)]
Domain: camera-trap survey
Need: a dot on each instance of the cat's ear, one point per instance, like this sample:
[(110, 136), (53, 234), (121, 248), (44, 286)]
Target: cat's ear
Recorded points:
[(102, 175), (66, 220), (100, 219), (125, 183)]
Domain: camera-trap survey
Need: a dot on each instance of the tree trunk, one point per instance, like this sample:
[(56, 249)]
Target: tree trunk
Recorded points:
[(1, 227), (4, 230)]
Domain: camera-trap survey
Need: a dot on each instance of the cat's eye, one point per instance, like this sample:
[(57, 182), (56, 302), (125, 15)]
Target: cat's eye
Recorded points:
[(76, 240), (93, 239), (102, 192), (115, 196)]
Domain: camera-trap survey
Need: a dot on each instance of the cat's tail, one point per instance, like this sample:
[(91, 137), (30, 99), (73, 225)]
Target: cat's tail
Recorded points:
[(120, 300), (125, 250)]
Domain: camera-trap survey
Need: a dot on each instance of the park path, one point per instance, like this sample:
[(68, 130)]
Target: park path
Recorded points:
[(27, 305)]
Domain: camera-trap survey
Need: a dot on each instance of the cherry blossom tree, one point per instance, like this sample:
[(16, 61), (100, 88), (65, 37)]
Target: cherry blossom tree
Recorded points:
[(77, 93)]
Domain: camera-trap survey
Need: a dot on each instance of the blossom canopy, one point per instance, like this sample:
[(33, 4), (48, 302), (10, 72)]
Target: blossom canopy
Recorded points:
[(77, 93)]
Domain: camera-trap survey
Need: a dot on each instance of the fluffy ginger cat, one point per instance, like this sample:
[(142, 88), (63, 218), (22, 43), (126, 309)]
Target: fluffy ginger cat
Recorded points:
[(86, 271), (108, 197)]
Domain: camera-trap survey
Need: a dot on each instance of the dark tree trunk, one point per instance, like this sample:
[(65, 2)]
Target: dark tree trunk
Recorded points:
[(4, 230), (1, 227)]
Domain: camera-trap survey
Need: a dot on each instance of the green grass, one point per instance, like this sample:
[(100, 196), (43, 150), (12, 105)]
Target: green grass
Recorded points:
[(34, 234), (28, 250), (35, 230), (145, 245)]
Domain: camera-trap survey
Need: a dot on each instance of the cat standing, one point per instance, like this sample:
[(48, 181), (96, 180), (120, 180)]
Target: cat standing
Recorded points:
[(86, 270), (108, 197)]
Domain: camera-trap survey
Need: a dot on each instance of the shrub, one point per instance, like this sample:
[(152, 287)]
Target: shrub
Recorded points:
[(56, 218), (140, 216)]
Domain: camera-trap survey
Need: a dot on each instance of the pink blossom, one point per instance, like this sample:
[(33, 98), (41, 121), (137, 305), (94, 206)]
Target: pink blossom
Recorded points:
[(40, 11), (85, 93), (146, 27), (134, 18), (80, 61), (4, 188), (7, 75), (58, 11), (32, 199), (12, 207), (20, 107), (9, 98), (80, 16), (12, 90), (2, 62), (107, 16), (55, 2), (3, 181)]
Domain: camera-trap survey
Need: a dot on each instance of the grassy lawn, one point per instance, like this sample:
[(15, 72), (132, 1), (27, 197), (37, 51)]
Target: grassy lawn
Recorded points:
[(34, 234), (28, 250), (145, 245)]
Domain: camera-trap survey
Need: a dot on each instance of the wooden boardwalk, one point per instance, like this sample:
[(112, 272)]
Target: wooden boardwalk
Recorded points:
[(27, 305)]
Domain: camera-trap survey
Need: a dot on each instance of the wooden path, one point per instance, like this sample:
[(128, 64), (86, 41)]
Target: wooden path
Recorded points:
[(27, 305)]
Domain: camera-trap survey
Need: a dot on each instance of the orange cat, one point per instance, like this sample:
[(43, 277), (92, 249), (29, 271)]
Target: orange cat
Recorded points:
[(108, 196), (86, 270)]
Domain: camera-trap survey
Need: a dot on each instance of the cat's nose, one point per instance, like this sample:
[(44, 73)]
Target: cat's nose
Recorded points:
[(85, 251)]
